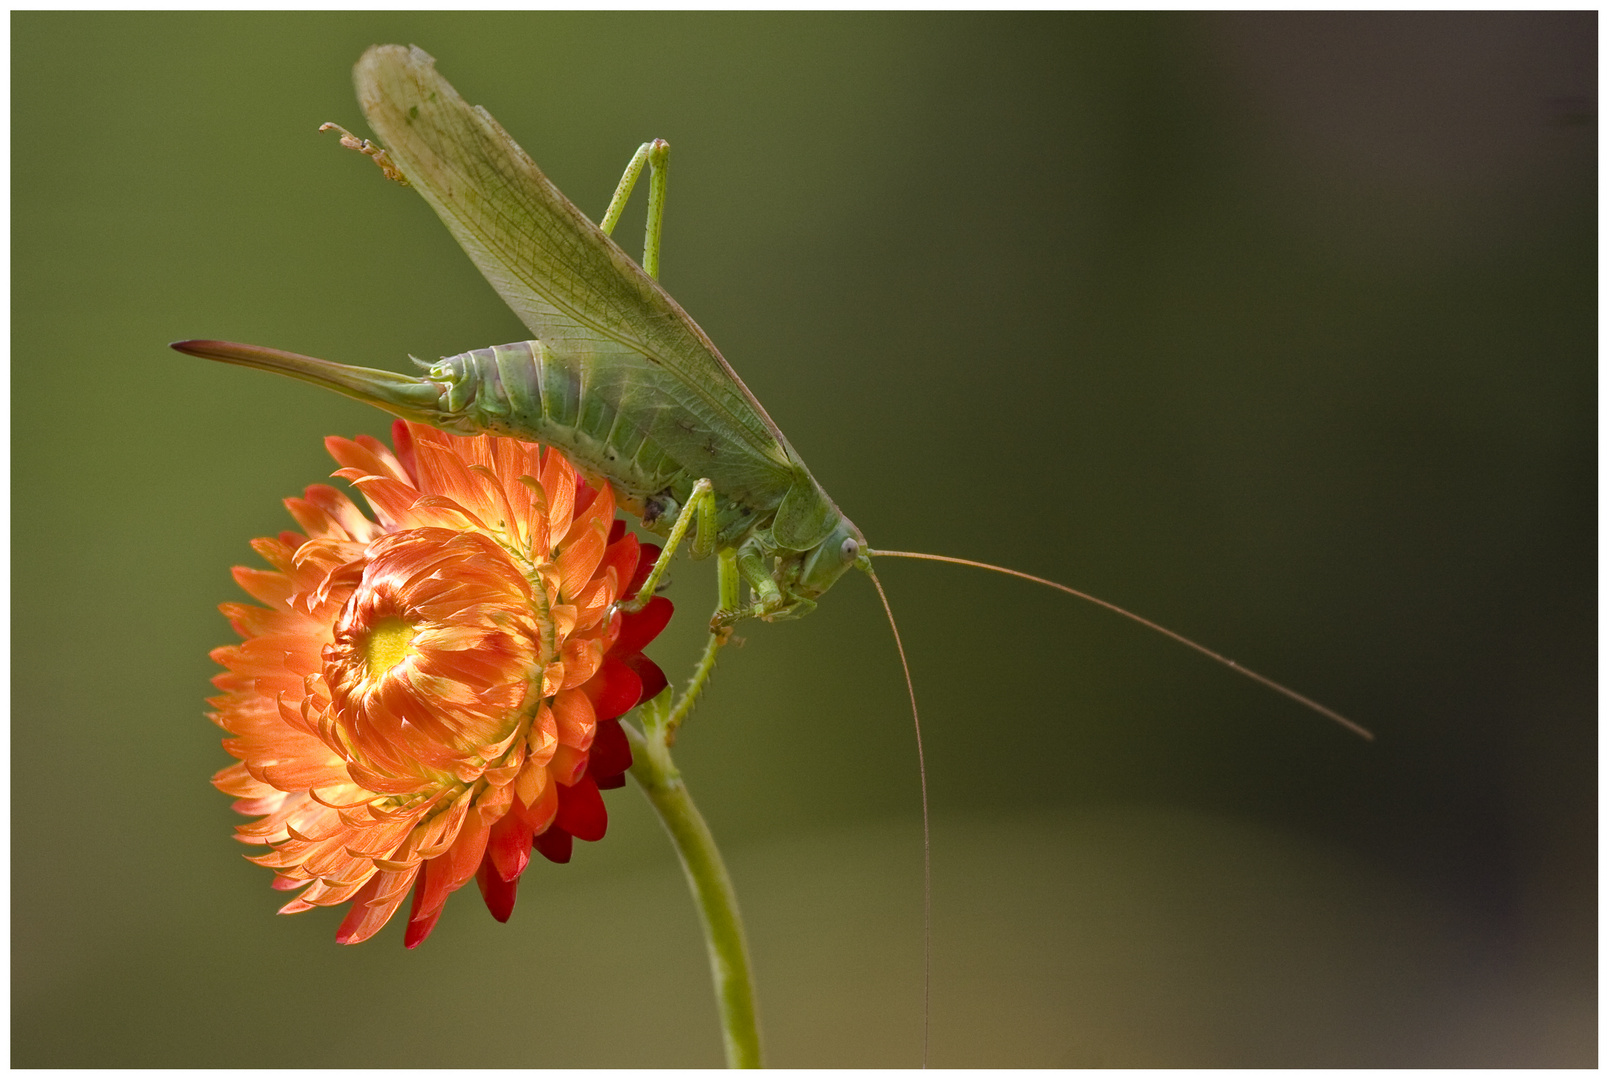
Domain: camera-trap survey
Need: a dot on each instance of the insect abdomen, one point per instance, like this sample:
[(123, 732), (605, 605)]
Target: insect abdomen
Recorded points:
[(603, 415), (513, 390)]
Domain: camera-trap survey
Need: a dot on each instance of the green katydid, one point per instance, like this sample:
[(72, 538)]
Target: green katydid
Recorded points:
[(618, 377)]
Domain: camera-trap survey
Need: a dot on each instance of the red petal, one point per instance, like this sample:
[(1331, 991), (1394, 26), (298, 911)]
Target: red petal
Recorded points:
[(610, 756), (416, 933), (615, 690), (498, 894), (419, 928), (554, 845), (581, 810), (440, 876), (344, 935), (508, 850), (402, 441), (648, 555), (617, 530), (638, 628), (653, 680)]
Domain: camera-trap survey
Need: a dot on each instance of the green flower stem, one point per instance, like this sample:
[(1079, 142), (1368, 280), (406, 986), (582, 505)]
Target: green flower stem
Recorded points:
[(659, 779)]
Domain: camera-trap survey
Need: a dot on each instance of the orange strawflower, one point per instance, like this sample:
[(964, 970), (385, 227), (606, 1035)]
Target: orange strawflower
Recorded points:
[(429, 695)]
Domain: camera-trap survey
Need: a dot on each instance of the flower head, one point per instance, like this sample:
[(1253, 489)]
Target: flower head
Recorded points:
[(430, 694)]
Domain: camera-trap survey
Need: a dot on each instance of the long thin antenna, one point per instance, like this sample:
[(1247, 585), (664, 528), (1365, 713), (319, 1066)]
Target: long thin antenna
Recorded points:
[(927, 846), (1278, 688)]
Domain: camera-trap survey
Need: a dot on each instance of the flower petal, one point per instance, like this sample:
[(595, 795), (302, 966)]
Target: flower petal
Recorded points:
[(431, 695), (638, 628), (373, 907), (498, 893), (581, 810), (554, 845), (615, 690), (508, 849), (610, 755), (653, 679), (576, 721)]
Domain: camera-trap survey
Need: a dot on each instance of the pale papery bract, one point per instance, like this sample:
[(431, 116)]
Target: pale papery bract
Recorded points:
[(430, 695)]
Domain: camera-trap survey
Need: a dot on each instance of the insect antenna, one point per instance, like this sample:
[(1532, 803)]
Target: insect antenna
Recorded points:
[(1278, 688), (927, 847)]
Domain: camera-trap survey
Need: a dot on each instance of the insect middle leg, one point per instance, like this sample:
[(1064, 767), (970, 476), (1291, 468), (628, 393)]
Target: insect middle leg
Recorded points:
[(700, 507)]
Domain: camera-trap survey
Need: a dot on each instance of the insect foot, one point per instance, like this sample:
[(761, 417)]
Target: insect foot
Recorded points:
[(373, 150)]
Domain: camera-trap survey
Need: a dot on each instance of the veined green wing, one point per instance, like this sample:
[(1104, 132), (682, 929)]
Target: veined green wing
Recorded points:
[(565, 279)]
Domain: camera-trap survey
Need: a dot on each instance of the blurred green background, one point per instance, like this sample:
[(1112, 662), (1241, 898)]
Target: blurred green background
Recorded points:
[(1277, 329)]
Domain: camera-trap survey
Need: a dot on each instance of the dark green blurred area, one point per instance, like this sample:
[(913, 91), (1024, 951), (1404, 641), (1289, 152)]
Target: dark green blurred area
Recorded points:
[(1280, 330)]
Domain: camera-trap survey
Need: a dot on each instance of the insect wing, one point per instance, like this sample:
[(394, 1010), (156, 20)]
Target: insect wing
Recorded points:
[(566, 280)]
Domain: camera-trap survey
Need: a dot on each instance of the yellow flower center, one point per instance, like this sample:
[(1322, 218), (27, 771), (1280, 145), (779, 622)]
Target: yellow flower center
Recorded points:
[(387, 644)]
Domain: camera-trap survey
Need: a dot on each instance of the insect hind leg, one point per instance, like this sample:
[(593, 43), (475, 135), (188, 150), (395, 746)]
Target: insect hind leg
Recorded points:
[(656, 156), (371, 149)]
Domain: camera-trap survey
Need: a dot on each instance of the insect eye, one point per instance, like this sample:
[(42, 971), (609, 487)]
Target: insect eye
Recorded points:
[(851, 548)]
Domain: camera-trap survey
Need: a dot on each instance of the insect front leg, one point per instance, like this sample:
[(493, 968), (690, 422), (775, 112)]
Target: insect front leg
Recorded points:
[(729, 579), (656, 155), (770, 602)]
